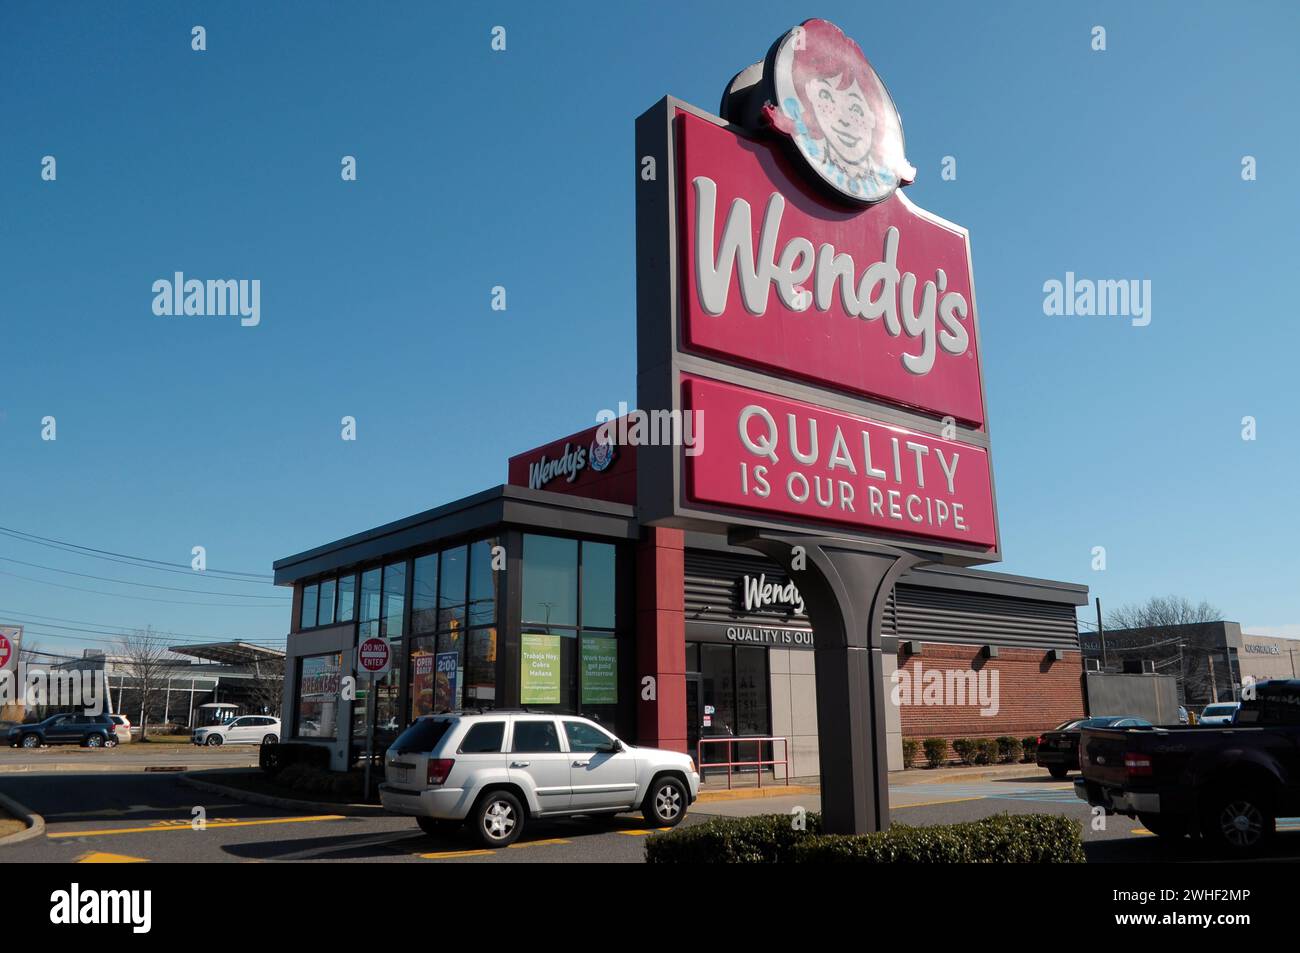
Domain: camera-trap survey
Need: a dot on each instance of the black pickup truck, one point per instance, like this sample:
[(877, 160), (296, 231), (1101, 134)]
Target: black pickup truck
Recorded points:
[(1226, 783)]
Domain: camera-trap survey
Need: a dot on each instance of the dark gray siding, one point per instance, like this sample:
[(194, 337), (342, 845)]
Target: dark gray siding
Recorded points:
[(941, 613)]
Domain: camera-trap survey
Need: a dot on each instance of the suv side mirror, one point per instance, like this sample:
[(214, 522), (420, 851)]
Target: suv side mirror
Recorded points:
[(614, 747)]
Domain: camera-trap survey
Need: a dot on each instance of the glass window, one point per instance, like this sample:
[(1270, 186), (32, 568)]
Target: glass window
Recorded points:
[(422, 737), (449, 671), (394, 604), (347, 597), (309, 597), (751, 690), (482, 583), (598, 674), (318, 695), (424, 594), (598, 585), (484, 737), (325, 613), (584, 737), (388, 696), (550, 580), (370, 602), (451, 589), (535, 737), (481, 668)]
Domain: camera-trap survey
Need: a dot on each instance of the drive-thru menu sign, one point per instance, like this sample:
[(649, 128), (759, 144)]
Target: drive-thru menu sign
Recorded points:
[(821, 327)]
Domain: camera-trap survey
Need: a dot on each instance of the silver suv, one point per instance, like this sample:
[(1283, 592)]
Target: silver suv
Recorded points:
[(496, 770)]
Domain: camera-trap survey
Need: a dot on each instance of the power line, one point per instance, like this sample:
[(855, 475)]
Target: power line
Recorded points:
[(162, 639), (121, 557), (120, 595), (105, 628), (145, 585)]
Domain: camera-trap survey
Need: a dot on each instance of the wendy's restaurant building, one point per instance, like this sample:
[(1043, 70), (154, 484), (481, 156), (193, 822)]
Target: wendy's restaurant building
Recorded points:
[(547, 593), (785, 554)]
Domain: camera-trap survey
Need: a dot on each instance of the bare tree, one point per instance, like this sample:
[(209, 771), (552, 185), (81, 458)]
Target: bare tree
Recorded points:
[(144, 659), (267, 691), (1177, 634)]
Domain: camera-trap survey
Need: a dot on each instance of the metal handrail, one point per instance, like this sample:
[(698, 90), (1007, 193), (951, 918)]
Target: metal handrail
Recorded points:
[(730, 763)]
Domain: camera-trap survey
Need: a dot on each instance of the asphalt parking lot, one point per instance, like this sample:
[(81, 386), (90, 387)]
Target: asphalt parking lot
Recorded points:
[(149, 816)]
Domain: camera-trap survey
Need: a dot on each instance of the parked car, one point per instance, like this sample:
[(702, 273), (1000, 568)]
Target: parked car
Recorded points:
[(1184, 718), (122, 728), (1227, 783), (498, 770), (1058, 749), (244, 730), (91, 731), (1220, 713)]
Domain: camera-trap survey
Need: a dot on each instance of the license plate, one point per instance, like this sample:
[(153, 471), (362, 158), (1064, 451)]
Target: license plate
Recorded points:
[(401, 775)]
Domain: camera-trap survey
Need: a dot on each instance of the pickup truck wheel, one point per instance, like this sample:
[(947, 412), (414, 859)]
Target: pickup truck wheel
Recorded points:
[(1058, 772), (665, 803), (498, 819), (1170, 828), (1239, 822)]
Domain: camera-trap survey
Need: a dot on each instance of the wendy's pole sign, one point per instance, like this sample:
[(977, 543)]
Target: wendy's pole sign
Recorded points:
[(823, 331)]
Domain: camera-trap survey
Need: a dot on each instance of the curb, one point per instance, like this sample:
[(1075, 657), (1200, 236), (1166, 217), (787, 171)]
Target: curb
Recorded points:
[(35, 823), (271, 800), (74, 767), (960, 775), (745, 794)]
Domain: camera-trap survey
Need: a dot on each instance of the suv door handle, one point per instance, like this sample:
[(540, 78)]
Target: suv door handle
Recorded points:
[(581, 764), (518, 764)]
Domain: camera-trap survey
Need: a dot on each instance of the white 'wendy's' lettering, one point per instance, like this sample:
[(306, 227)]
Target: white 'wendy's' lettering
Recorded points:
[(881, 291)]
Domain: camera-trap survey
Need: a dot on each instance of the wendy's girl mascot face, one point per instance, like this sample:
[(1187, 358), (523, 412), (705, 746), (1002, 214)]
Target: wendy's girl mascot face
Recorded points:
[(829, 101)]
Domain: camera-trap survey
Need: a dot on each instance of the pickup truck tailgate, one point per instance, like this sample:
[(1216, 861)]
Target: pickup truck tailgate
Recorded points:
[(1102, 751)]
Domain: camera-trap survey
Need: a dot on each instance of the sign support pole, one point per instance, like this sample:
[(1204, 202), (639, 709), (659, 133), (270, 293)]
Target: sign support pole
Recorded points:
[(845, 585), (370, 729)]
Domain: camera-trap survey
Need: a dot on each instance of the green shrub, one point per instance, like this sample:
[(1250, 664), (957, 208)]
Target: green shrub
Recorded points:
[(911, 748), (965, 749), (1016, 838), (936, 751), (1008, 749), (986, 751), (1030, 748), (762, 839)]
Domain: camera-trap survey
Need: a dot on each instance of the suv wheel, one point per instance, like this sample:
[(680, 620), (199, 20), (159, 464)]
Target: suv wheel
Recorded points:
[(94, 741), (110, 741), (665, 804), (213, 741), (31, 741), (1239, 822), (270, 740), (498, 819)]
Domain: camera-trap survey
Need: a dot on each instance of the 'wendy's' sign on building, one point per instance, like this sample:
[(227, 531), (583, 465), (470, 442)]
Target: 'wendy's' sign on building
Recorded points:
[(823, 325)]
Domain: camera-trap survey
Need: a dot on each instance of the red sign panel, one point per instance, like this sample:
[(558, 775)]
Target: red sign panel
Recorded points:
[(789, 458), (6, 650), (374, 656), (876, 301), (581, 464)]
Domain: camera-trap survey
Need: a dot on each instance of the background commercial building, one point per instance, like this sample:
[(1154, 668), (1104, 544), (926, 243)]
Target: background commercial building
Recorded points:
[(1203, 658), (548, 593), (1263, 657)]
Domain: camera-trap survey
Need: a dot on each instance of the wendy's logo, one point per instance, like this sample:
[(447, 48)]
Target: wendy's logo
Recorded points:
[(818, 89)]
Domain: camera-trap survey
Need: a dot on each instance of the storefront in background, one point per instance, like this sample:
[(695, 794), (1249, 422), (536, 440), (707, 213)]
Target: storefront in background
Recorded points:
[(547, 593)]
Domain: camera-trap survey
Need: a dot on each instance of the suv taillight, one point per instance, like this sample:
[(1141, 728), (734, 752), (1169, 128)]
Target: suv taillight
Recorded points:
[(1137, 765), (439, 768)]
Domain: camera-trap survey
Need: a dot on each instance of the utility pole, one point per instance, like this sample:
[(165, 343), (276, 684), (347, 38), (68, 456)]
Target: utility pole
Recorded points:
[(1101, 635)]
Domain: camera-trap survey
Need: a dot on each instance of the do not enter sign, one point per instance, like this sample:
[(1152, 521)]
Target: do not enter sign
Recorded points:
[(6, 651), (374, 657)]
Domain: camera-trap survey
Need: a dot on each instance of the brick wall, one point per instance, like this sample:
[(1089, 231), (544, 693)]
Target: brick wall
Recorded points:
[(1034, 693)]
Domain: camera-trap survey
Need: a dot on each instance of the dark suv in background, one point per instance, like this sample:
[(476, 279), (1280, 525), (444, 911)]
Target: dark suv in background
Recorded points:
[(91, 731)]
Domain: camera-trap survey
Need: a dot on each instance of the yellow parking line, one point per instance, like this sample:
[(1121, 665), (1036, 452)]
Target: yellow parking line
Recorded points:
[(210, 825), (448, 854), (950, 800), (643, 833), (541, 843), (96, 857)]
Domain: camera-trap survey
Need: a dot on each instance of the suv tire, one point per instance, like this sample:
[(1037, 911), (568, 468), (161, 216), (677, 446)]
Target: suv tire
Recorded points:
[(498, 819), (270, 740), (665, 802), (94, 741), (1239, 822), (213, 741), (31, 741)]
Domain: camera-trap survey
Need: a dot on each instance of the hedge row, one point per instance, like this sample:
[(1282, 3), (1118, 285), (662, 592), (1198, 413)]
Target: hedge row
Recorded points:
[(1001, 750), (774, 839)]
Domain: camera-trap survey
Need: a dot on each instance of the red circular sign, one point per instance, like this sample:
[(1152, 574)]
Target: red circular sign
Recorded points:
[(6, 650), (373, 655)]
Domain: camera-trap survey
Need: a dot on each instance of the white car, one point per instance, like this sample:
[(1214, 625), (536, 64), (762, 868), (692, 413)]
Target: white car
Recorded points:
[(1220, 713), (122, 728), (245, 730), (496, 770)]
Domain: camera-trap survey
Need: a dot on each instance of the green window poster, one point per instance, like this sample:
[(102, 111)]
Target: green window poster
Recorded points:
[(599, 671), (539, 669)]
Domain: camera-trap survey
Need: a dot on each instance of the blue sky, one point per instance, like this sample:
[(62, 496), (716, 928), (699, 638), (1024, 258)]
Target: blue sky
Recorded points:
[(478, 168)]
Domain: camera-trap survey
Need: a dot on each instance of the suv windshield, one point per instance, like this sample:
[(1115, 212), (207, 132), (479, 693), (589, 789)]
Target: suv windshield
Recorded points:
[(421, 736)]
